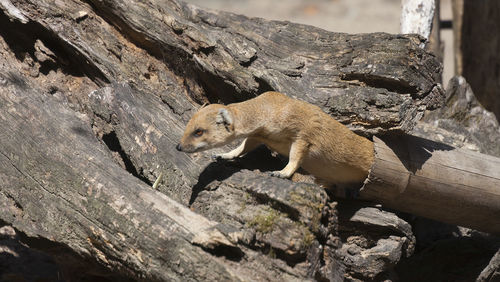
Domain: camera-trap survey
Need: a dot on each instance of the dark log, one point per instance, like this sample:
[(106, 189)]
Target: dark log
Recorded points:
[(94, 96), (476, 48)]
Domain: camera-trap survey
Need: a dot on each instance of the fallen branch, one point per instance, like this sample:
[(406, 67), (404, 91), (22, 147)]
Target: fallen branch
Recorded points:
[(437, 181)]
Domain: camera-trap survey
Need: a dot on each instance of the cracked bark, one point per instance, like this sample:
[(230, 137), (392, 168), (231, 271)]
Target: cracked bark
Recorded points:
[(94, 95)]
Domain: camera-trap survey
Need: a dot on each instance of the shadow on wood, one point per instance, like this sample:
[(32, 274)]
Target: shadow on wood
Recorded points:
[(437, 181)]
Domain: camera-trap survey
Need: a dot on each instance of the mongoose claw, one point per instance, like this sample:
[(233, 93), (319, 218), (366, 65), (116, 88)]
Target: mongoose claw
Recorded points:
[(216, 157)]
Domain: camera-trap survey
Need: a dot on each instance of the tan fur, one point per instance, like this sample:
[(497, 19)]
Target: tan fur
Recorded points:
[(310, 138)]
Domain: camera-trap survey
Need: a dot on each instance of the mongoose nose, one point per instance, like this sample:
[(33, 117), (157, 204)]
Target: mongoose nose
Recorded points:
[(178, 147)]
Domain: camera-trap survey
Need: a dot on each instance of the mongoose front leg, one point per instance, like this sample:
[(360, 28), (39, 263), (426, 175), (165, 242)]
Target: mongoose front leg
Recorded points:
[(246, 146), (297, 152)]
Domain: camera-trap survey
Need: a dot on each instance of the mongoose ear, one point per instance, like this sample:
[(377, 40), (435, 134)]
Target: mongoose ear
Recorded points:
[(223, 116)]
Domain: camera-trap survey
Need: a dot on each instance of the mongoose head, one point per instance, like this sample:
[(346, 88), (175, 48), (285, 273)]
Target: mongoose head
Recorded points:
[(210, 127)]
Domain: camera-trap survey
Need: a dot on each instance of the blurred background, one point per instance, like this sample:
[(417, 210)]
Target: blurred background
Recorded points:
[(349, 16)]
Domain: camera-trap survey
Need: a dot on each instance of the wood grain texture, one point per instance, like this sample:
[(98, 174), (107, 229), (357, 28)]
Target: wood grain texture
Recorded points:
[(437, 181), (61, 184), (372, 82), (94, 96)]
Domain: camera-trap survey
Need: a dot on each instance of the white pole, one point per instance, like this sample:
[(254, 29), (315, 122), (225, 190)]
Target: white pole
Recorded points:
[(417, 16)]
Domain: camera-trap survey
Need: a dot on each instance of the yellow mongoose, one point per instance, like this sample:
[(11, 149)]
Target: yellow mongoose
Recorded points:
[(310, 138)]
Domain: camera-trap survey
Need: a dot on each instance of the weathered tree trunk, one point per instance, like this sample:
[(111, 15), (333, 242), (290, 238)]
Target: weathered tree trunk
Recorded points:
[(94, 96), (59, 183), (458, 19), (477, 44)]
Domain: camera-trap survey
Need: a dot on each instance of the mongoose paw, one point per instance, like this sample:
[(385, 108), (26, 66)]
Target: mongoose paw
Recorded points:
[(277, 174)]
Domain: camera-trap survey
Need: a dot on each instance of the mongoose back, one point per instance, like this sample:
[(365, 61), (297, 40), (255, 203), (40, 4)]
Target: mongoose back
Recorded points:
[(309, 137)]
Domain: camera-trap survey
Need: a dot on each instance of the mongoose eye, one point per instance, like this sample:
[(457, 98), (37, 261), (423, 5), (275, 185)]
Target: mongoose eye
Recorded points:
[(198, 132)]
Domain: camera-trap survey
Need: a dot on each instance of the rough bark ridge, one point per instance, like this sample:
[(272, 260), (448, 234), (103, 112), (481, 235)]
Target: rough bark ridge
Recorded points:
[(462, 122), (94, 96)]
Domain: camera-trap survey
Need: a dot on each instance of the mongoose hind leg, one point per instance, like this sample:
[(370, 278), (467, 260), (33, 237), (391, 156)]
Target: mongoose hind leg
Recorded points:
[(298, 149), (246, 146)]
